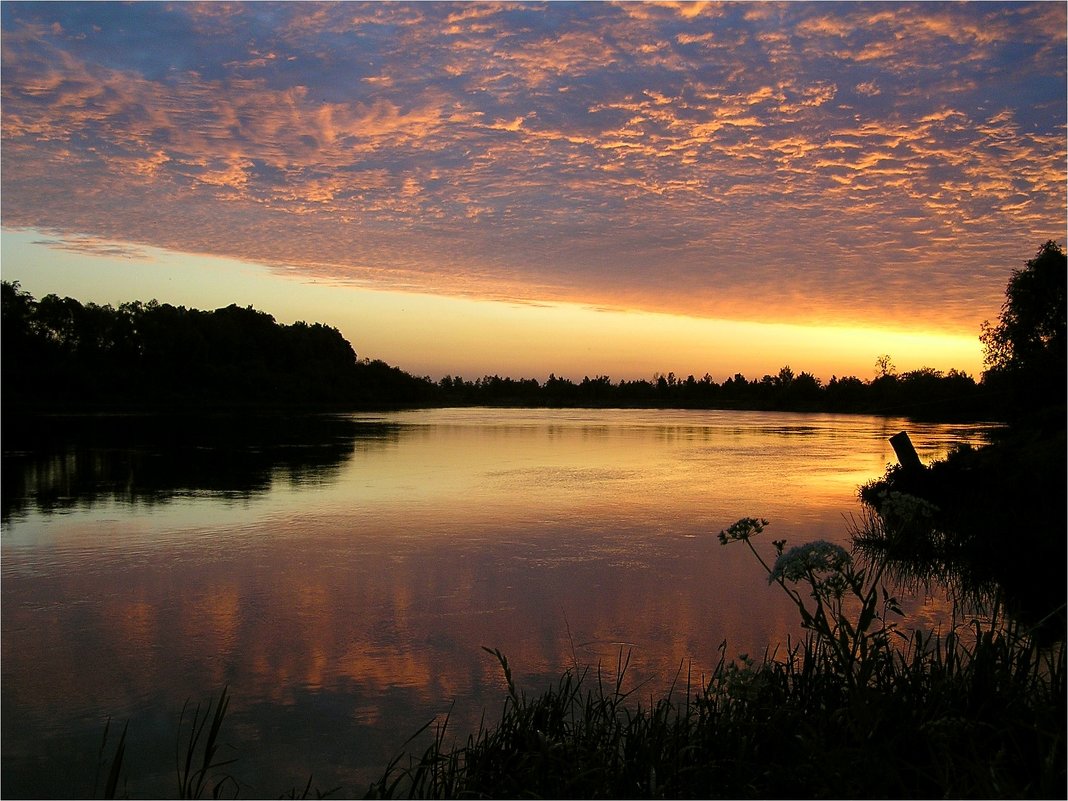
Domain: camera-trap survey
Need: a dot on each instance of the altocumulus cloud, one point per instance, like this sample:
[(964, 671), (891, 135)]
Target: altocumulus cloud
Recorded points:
[(796, 162)]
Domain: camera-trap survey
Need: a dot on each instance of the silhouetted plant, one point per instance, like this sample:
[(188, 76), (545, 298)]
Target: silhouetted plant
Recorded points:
[(196, 773), (114, 764), (856, 648)]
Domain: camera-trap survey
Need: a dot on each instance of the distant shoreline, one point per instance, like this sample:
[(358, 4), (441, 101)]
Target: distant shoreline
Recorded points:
[(62, 357)]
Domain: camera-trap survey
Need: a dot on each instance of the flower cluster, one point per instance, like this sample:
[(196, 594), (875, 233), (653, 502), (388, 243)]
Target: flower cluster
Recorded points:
[(906, 515), (803, 561), (742, 530)]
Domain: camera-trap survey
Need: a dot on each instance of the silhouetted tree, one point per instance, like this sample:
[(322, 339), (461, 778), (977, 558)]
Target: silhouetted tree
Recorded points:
[(884, 367), (1025, 351), (804, 392), (845, 394), (59, 352)]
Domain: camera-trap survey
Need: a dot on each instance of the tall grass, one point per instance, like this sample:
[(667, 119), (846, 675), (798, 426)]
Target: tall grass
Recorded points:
[(196, 762), (856, 709), (196, 750), (198, 768), (114, 765)]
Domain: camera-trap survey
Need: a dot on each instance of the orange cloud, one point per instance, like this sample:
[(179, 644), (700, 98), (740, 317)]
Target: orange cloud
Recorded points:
[(568, 153)]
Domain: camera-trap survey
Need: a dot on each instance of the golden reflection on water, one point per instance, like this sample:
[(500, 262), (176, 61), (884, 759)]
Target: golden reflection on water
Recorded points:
[(357, 608)]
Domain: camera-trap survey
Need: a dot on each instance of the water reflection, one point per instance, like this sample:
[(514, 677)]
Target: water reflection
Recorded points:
[(58, 463), (345, 595)]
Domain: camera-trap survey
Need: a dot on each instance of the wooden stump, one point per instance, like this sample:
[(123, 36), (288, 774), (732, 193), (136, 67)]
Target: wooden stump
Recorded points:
[(906, 453)]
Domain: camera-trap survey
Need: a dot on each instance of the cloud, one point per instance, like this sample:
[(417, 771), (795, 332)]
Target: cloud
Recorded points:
[(778, 162), (94, 246)]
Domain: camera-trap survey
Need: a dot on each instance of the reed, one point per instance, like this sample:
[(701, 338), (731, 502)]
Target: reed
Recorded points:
[(114, 765), (196, 773), (196, 751)]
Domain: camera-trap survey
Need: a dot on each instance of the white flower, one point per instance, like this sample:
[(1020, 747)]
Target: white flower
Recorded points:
[(899, 507), (812, 557)]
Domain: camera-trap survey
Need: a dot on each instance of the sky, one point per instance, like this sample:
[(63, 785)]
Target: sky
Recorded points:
[(532, 188)]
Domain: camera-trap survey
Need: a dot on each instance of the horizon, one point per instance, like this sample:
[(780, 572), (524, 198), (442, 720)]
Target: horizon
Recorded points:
[(660, 328), (523, 190)]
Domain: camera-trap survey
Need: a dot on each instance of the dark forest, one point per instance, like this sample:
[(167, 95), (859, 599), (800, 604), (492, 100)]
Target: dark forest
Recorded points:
[(59, 353)]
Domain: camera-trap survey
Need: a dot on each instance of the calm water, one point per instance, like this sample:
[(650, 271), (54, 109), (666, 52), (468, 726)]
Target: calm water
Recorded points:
[(340, 575)]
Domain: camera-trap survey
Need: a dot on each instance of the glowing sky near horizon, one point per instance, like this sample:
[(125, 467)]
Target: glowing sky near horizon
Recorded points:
[(590, 188)]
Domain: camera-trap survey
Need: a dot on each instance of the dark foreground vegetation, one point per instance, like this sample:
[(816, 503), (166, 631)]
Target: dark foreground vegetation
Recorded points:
[(852, 711)]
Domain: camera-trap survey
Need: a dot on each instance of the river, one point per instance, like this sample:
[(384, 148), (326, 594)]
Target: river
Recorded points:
[(341, 574)]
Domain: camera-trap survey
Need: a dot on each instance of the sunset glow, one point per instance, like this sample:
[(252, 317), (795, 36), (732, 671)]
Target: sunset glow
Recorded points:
[(521, 189)]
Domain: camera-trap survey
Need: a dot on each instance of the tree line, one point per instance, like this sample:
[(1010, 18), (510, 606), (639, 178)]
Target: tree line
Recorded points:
[(926, 392), (60, 352)]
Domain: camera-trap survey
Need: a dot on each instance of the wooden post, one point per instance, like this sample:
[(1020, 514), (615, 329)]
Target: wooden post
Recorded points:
[(906, 453)]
